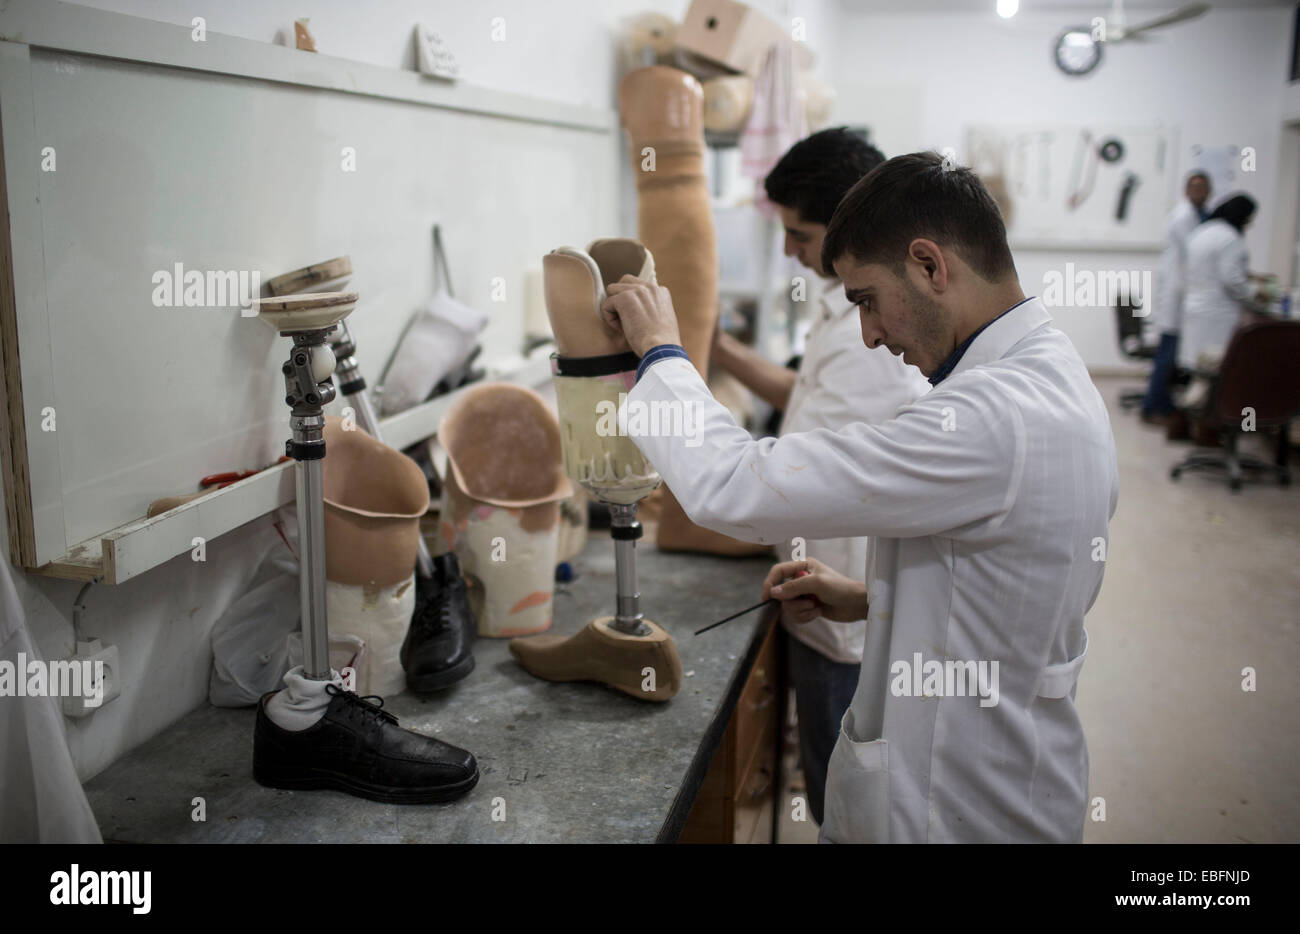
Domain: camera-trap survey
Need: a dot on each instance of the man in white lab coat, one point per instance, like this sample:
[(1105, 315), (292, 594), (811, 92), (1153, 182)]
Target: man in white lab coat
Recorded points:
[(838, 382), (1167, 303), (987, 500)]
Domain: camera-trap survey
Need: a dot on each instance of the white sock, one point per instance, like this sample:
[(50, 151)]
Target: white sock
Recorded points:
[(302, 701)]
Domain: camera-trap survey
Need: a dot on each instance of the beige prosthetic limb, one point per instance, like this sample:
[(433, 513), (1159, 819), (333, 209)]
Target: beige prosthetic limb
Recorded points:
[(646, 667), (592, 368), (663, 110), (374, 498), (501, 504)]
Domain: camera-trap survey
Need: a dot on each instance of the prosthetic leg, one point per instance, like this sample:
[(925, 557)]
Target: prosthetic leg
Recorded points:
[(437, 651), (315, 734), (663, 111), (625, 651)]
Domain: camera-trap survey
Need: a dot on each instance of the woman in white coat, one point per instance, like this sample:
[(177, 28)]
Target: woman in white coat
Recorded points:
[(1218, 283), (988, 501)]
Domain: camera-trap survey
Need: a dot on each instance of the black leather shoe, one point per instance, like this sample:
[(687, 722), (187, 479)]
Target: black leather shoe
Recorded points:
[(437, 650), (358, 748)]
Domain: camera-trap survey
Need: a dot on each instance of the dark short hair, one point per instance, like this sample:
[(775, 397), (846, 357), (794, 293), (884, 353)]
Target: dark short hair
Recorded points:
[(1237, 211), (1198, 173), (815, 172), (920, 195)]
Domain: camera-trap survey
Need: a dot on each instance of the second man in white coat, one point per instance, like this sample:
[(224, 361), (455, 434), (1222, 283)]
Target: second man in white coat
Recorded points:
[(838, 382)]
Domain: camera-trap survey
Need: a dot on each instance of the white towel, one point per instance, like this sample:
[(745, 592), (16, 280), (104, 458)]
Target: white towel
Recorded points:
[(776, 121)]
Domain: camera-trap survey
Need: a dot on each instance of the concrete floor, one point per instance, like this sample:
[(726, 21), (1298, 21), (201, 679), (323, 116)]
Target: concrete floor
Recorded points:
[(1200, 584)]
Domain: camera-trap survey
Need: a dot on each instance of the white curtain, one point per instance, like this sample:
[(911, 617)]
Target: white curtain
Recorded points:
[(41, 799)]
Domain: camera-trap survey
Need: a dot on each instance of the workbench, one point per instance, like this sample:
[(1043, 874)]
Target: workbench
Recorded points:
[(559, 762)]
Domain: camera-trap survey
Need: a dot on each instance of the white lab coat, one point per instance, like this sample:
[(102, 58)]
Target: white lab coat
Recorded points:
[(1167, 303), (841, 381), (1217, 284), (988, 501)]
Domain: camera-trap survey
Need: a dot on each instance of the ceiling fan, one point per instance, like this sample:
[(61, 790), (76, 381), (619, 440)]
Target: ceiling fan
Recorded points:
[(1078, 49)]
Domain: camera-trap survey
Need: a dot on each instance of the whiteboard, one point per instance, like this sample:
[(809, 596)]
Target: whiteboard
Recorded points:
[(1094, 186), (159, 165)]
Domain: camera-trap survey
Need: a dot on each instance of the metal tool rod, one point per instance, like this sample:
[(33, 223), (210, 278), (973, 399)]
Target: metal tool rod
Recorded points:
[(748, 609)]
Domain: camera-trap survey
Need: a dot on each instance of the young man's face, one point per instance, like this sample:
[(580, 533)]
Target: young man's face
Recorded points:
[(1198, 190), (803, 239), (897, 314)]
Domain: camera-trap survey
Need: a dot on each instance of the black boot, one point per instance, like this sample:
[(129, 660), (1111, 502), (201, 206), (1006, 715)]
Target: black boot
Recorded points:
[(437, 650), (358, 748)]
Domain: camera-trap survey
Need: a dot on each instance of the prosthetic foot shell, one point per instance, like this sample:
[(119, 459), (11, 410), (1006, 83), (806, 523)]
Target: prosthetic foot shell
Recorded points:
[(500, 504), (598, 652), (374, 498)]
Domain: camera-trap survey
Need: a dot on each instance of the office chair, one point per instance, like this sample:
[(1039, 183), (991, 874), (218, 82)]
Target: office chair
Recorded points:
[(1131, 345), (1261, 372)]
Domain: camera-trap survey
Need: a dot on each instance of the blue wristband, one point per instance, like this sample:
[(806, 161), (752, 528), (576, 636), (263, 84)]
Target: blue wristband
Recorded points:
[(655, 354)]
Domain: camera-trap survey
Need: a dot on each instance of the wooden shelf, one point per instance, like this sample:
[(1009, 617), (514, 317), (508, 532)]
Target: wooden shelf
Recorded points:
[(136, 547), (67, 27)]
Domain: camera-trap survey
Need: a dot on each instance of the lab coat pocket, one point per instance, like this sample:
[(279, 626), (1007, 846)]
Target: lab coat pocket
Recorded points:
[(857, 789), (1057, 681)]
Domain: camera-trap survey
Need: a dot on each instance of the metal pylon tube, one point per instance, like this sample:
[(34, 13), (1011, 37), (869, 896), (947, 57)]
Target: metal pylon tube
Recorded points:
[(625, 530), (311, 578)]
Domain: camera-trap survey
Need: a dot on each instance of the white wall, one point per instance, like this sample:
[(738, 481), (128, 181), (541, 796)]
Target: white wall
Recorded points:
[(161, 622), (919, 79), (556, 49)]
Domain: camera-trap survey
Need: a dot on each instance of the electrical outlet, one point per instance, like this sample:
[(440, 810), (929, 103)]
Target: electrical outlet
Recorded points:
[(97, 677)]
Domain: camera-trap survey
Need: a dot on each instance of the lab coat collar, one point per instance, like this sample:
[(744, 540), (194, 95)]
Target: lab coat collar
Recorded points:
[(993, 340)]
